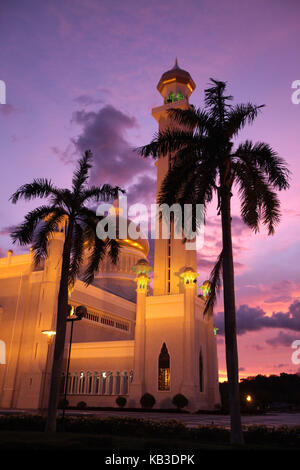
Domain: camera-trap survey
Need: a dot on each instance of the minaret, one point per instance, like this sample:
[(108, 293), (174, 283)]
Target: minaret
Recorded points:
[(171, 257)]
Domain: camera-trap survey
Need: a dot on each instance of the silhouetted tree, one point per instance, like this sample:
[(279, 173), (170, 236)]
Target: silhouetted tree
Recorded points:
[(68, 207), (205, 162)]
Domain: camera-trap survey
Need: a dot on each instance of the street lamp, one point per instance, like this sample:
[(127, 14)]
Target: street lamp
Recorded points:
[(80, 312), (248, 398), (50, 334)]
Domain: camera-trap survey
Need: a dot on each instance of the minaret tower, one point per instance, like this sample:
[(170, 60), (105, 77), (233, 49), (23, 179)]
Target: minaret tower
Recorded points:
[(171, 257)]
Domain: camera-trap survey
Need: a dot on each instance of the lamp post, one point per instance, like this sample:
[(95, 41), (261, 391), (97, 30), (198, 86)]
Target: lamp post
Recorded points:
[(80, 311), (50, 334)]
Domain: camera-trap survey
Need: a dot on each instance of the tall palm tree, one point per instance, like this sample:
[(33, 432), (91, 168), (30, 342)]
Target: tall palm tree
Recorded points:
[(68, 207), (205, 162)]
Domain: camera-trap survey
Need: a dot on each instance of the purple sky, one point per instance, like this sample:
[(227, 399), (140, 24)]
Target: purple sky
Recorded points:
[(83, 74)]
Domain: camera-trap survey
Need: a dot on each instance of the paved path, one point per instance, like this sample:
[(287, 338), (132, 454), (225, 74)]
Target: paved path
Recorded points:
[(191, 420)]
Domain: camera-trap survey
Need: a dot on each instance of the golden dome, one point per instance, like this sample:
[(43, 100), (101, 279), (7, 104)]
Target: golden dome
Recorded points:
[(176, 74)]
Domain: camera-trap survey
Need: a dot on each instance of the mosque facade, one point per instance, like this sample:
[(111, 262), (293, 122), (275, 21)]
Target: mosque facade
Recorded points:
[(133, 339)]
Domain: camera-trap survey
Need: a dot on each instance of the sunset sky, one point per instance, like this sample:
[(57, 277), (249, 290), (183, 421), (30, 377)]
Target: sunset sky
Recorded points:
[(83, 73)]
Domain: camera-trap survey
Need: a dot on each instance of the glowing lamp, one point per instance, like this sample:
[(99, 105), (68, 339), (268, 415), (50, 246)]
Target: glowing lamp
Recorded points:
[(189, 276), (142, 267), (49, 333), (142, 281), (206, 289), (248, 398)]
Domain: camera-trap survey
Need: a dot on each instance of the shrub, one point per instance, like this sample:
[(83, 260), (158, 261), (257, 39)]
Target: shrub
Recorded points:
[(121, 401), (62, 404), (81, 405), (180, 401), (147, 401)]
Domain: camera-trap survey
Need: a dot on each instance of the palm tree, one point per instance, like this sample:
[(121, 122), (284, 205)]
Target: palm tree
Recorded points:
[(205, 162), (68, 207)]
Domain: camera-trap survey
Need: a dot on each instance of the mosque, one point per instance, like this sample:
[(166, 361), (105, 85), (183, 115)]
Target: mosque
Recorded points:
[(131, 340)]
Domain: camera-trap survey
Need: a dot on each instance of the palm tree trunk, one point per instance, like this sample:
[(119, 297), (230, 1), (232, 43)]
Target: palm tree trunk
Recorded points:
[(61, 323), (230, 320)]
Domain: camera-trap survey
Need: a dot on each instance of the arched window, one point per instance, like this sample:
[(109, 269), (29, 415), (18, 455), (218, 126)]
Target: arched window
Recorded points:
[(117, 383), (96, 383), (124, 383), (201, 371), (171, 97), (164, 369), (103, 383), (110, 383), (75, 383), (81, 382), (89, 382)]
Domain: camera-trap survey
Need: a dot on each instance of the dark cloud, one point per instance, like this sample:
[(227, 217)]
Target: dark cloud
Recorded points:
[(87, 100), (143, 191), (104, 132), (255, 319), (67, 156), (282, 339)]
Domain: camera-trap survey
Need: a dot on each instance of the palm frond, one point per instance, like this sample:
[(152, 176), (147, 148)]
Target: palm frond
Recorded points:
[(80, 175), (113, 249), (77, 251), (191, 119), (267, 160), (44, 233), (216, 101), (63, 198), (215, 280), (258, 201), (238, 117), (39, 188), (167, 142), (105, 193), (97, 254), (23, 234)]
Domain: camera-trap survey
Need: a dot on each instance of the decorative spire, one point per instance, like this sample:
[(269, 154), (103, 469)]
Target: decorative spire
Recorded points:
[(176, 64)]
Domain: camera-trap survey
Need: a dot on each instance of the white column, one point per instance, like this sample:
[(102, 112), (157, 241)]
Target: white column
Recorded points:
[(190, 358), (138, 383)]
